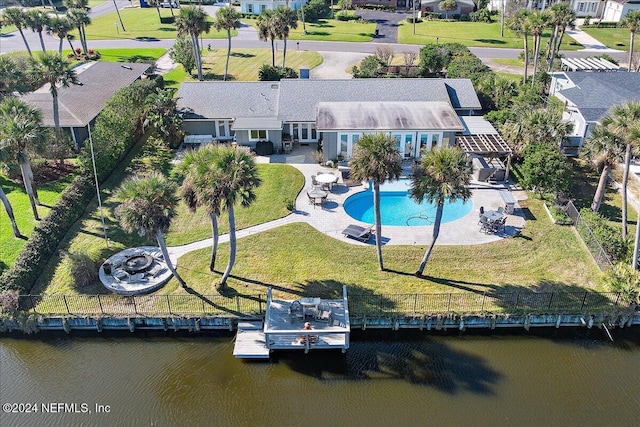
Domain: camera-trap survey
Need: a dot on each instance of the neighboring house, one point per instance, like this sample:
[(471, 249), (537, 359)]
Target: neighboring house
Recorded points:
[(615, 10), (420, 113), (256, 7), (588, 96), (78, 105), (583, 8), (464, 7)]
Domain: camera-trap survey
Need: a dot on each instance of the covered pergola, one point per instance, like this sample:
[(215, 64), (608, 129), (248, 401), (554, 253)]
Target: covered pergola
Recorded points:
[(486, 145)]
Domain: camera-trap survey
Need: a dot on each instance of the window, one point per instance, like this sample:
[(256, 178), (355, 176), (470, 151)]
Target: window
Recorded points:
[(580, 7), (249, 8), (263, 8), (593, 7), (258, 134), (296, 132), (222, 129), (343, 145), (305, 132)]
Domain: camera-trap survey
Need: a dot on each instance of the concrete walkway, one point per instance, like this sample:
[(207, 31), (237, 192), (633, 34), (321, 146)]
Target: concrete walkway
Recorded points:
[(331, 218), (589, 43)]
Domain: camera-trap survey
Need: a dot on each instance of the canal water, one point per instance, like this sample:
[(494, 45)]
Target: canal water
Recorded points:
[(385, 379)]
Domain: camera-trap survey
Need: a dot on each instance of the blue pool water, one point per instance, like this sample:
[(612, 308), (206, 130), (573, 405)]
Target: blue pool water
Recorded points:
[(397, 208)]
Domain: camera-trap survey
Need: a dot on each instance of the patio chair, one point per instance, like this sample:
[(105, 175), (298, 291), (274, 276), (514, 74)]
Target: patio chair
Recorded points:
[(324, 313), (357, 232), (501, 210), (485, 225), (313, 181), (295, 310), (500, 224)]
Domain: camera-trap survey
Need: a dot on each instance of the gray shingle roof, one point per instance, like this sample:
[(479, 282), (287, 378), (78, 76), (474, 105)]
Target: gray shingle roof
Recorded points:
[(228, 100), (377, 115), (596, 93), (297, 99), (79, 104)]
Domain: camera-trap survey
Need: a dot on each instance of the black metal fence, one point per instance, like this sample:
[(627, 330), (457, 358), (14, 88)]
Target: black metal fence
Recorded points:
[(595, 248), (359, 305)]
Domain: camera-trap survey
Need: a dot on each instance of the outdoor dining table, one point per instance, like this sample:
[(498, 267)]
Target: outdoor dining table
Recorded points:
[(326, 179), (492, 216), (317, 193)]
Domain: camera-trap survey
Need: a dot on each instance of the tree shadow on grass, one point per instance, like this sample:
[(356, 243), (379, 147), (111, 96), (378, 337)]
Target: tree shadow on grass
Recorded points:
[(242, 55), (491, 41), (410, 358), (317, 33)]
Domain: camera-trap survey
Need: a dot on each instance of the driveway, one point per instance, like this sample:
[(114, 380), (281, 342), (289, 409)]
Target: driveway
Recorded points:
[(387, 23)]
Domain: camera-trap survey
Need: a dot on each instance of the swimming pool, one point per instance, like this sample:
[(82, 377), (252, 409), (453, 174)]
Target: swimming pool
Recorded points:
[(397, 208)]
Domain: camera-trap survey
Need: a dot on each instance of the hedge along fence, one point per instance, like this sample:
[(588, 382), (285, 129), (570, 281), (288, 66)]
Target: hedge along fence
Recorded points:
[(118, 127)]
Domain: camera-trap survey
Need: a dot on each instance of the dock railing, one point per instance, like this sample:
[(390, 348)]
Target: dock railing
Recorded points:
[(358, 305)]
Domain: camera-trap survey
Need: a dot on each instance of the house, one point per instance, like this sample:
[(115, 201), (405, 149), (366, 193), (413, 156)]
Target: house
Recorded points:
[(615, 10), (79, 105), (256, 7), (334, 114), (464, 7), (583, 8), (588, 96)]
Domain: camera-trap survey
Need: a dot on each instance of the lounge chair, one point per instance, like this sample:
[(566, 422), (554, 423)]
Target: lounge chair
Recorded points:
[(357, 232)]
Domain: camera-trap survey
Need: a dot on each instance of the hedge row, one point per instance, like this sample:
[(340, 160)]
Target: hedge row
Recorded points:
[(117, 128)]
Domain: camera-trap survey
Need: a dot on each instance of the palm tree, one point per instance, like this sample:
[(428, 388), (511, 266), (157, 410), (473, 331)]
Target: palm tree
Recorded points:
[(537, 22), (562, 16), (535, 126), (12, 77), (227, 19), (160, 113), (58, 73), (632, 21), (519, 23), (634, 135), (286, 19), (37, 20), (147, 205), (20, 131), (156, 4), (12, 217), (623, 118), (266, 31), (604, 147), (235, 181), (192, 21), (376, 158), (441, 176), (60, 27), (78, 15), (199, 187), (15, 16)]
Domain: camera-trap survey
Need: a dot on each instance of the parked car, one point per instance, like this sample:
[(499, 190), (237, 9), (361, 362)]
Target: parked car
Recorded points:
[(168, 5)]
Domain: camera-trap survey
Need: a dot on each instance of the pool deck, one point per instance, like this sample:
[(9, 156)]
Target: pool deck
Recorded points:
[(331, 218)]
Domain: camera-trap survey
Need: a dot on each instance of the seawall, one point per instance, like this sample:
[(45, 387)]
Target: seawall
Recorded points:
[(36, 323)]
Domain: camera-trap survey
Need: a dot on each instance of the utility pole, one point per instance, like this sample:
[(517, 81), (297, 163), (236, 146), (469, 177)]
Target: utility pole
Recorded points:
[(502, 20), (414, 17)]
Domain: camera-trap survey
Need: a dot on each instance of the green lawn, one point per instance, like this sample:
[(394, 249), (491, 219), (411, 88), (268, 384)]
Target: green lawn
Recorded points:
[(281, 184), (243, 64), (334, 30), (48, 194), (330, 30), (614, 38), (141, 24), (470, 34)]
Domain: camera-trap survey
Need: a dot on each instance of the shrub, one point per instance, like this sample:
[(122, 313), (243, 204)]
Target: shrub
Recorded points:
[(482, 15), (270, 73), (617, 248), (9, 302), (559, 215), (370, 67), (84, 270), (314, 10)]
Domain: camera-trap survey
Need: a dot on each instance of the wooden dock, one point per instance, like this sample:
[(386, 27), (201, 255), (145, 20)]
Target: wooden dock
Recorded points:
[(250, 341), (284, 327)]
